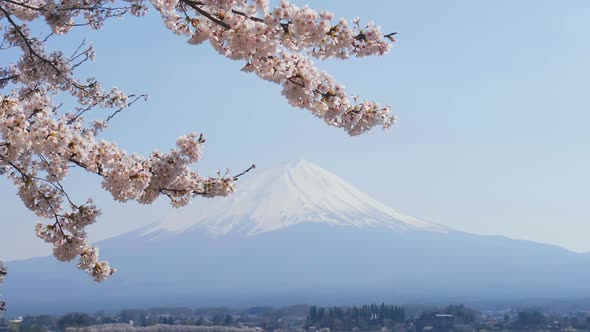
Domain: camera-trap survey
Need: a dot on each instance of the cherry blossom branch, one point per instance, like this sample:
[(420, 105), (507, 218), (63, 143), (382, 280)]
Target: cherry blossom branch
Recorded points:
[(196, 6), (144, 96), (25, 39), (23, 5), (276, 45), (66, 9), (285, 26), (55, 184), (27, 180)]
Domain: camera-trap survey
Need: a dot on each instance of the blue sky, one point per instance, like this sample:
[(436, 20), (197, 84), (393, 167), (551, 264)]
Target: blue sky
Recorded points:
[(492, 99)]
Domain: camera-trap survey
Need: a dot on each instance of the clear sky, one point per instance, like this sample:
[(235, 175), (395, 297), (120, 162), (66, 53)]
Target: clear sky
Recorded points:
[(492, 99)]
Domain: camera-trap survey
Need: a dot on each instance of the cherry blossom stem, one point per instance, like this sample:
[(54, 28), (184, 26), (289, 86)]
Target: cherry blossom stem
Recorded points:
[(244, 172), (25, 39), (194, 5)]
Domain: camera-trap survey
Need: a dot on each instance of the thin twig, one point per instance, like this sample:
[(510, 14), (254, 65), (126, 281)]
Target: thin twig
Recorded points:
[(244, 172), (128, 105), (25, 39)]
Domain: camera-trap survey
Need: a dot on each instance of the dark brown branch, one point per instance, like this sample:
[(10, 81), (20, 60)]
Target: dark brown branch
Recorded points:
[(195, 6), (253, 18), (8, 78), (23, 5), (292, 80), (25, 39), (84, 166), (43, 9), (244, 172)]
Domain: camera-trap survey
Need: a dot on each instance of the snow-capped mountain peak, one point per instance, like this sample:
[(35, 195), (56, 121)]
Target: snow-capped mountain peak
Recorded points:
[(282, 196)]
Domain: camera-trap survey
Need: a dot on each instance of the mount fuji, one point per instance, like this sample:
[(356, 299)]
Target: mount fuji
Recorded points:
[(297, 233), (289, 195)]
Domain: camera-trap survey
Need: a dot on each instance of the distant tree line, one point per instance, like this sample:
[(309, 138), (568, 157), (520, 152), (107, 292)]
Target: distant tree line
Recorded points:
[(159, 328), (139, 317), (366, 316), (266, 317)]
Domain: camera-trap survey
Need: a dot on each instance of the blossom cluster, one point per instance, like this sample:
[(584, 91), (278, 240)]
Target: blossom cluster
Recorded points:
[(40, 143), (38, 149), (277, 45)]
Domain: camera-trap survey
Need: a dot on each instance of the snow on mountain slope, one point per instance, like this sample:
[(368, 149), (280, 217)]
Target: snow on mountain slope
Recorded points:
[(286, 195)]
